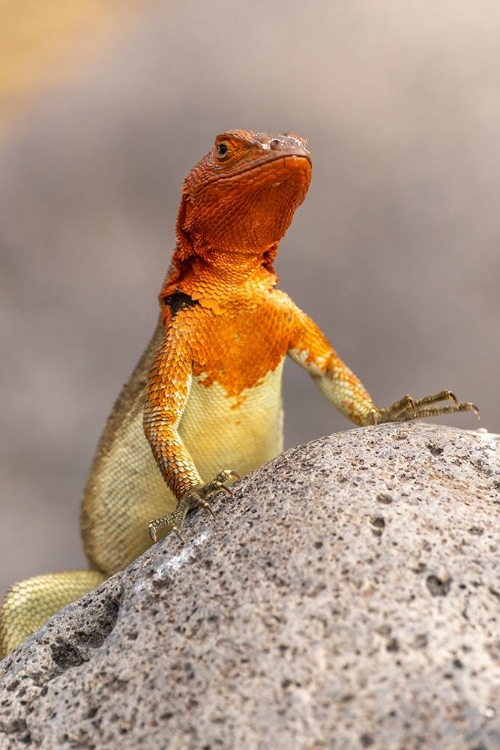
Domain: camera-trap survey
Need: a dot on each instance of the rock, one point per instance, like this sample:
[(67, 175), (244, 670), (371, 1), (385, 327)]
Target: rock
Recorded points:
[(349, 597)]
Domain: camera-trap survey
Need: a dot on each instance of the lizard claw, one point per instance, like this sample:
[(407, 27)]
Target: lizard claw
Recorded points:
[(197, 496), (409, 408)]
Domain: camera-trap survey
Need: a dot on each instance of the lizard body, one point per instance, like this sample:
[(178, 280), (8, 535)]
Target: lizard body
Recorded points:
[(204, 402)]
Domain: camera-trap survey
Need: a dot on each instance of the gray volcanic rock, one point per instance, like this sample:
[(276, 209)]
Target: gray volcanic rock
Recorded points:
[(349, 597)]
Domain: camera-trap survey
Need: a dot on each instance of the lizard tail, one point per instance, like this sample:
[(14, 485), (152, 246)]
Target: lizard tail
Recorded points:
[(29, 604)]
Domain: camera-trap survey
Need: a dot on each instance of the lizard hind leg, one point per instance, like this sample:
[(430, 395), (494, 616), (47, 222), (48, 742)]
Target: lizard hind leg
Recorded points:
[(29, 604)]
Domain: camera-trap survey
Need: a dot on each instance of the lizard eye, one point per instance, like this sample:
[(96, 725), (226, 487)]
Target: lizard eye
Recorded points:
[(222, 151)]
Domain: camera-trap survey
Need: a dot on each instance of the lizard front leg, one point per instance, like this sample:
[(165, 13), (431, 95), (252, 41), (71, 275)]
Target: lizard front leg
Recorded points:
[(311, 350), (167, 397)]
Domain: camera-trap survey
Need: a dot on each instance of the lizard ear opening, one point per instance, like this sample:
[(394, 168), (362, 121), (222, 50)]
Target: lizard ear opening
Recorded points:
[(185, 247)]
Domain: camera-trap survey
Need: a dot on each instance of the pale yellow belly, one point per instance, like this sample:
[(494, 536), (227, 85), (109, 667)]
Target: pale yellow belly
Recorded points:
[(233, 433)]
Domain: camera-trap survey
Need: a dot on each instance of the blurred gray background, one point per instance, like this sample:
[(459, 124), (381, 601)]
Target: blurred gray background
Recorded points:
[(394, 253)]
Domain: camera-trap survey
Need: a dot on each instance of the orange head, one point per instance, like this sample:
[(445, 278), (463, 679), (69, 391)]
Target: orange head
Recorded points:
[(241, 197)]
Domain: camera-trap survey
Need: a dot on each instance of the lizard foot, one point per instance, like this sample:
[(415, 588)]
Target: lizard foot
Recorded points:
[(198, 495), (429, 406)]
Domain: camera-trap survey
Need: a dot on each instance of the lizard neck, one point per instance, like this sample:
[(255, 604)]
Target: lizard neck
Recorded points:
[(220, 274)]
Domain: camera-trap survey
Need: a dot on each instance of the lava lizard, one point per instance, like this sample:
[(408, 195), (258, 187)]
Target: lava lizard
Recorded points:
[(203, 404)]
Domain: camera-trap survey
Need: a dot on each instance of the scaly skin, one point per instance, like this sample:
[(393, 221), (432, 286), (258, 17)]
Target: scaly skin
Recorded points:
[(211, 405)]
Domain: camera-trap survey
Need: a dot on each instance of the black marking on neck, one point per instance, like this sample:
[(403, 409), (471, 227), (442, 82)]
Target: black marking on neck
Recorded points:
[(179, 301)]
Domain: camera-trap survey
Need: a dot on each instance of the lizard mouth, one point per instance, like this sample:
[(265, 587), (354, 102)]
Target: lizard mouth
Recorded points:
[(267, 157), (293, 159)]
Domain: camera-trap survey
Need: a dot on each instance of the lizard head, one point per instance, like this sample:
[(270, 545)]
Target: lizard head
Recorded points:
[(241, 197)]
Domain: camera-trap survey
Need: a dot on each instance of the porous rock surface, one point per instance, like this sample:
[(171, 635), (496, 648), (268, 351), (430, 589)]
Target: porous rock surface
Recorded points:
[(349, 597)]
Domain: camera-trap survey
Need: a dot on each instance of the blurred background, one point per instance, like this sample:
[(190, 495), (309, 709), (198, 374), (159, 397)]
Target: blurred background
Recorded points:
[(104, 108)]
